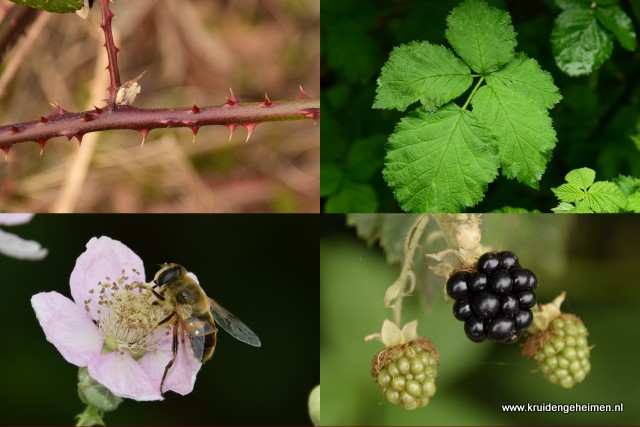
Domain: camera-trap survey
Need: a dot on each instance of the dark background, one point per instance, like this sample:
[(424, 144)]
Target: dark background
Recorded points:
[(593, 121), (264, 269)]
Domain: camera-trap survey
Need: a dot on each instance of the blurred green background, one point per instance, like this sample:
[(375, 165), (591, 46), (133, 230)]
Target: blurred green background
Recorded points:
[(262, 268), (593, 258)]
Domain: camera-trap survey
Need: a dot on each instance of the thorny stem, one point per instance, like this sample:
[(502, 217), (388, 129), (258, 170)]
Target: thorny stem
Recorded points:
[(407, 276), (69, 124), (112, 51)]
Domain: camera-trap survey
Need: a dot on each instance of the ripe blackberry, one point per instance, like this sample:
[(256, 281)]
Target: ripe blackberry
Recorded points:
[(494, 297), (561, 350), (406, 373)]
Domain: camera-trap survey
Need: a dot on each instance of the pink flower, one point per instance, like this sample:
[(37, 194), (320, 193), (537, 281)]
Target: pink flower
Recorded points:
[(16, 247), (111, 326)]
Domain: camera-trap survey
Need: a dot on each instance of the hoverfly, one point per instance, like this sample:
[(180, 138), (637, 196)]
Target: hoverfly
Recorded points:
[(194, 315)]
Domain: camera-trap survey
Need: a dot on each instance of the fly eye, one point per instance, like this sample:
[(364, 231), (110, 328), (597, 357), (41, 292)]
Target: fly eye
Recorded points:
[(167, 276)]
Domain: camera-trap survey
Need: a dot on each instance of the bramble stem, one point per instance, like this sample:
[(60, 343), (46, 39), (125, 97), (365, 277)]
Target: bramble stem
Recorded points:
[(112, 51), (69, 124)]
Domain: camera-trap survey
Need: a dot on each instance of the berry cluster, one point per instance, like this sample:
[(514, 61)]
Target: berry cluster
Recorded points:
[(494, 300), (561, 351), (407, 372)]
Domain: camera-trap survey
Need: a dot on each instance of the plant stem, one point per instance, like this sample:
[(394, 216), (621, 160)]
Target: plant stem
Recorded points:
[(91, 416), (407, 276), (473, 92), (69, 124), (112, 51)]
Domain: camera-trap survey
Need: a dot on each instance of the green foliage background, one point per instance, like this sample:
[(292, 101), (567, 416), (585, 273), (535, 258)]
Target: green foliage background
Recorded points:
[(264, 269), (594, 121), (593, 258)]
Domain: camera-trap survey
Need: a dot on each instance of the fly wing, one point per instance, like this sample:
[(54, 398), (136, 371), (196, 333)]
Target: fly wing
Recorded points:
[(233, 325), (194, 330)]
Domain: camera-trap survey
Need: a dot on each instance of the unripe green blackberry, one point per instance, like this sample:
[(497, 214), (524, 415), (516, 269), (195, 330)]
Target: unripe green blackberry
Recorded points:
[(561, 351), (406, 373)]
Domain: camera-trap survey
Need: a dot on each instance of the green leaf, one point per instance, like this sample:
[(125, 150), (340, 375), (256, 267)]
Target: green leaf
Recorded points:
[(579, 43), (390, 229), (483, 36), (567, 4), (364, 157), (633, 202), (564, 207), (421, 71), (332, 177), (614, 19), (523, 130), (58, 6), (582, 178), (352, 197), (441, 161), (599, 196), (524, 76), (627, 184), (605, 197)]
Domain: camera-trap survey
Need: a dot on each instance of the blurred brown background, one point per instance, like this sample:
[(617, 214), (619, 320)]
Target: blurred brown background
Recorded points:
[(193, 51)]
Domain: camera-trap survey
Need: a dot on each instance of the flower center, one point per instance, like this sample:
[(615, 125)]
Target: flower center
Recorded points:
[(127, 316)]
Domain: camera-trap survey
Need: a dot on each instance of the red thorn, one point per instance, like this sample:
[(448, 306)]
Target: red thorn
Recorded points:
[(69, 134), (79, 138), (267, 102), (312, 113), (41, 144), (232, 127), (303, 94), (194, 109), (88, 117), (43, 120), (58, 110), (14, 129), (250, 127), (195, 130), (144, 133), (232, 101), (97, 110), (6, 149)]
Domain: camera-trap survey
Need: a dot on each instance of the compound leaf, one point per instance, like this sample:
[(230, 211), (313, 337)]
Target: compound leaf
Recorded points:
[(523, 130), (614, 19), (589, 196), (421, 71), (524, 76), (483, 36), (441, 161), (58, 6), (579, 43)]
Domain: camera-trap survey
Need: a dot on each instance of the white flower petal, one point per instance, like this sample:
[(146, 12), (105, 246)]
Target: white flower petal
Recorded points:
[(103, 258), (68, 327), (15, 218), (124, 377), (16, 247)]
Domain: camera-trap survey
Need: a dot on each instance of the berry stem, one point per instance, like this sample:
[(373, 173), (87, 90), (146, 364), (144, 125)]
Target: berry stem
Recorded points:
[(407, 279)]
